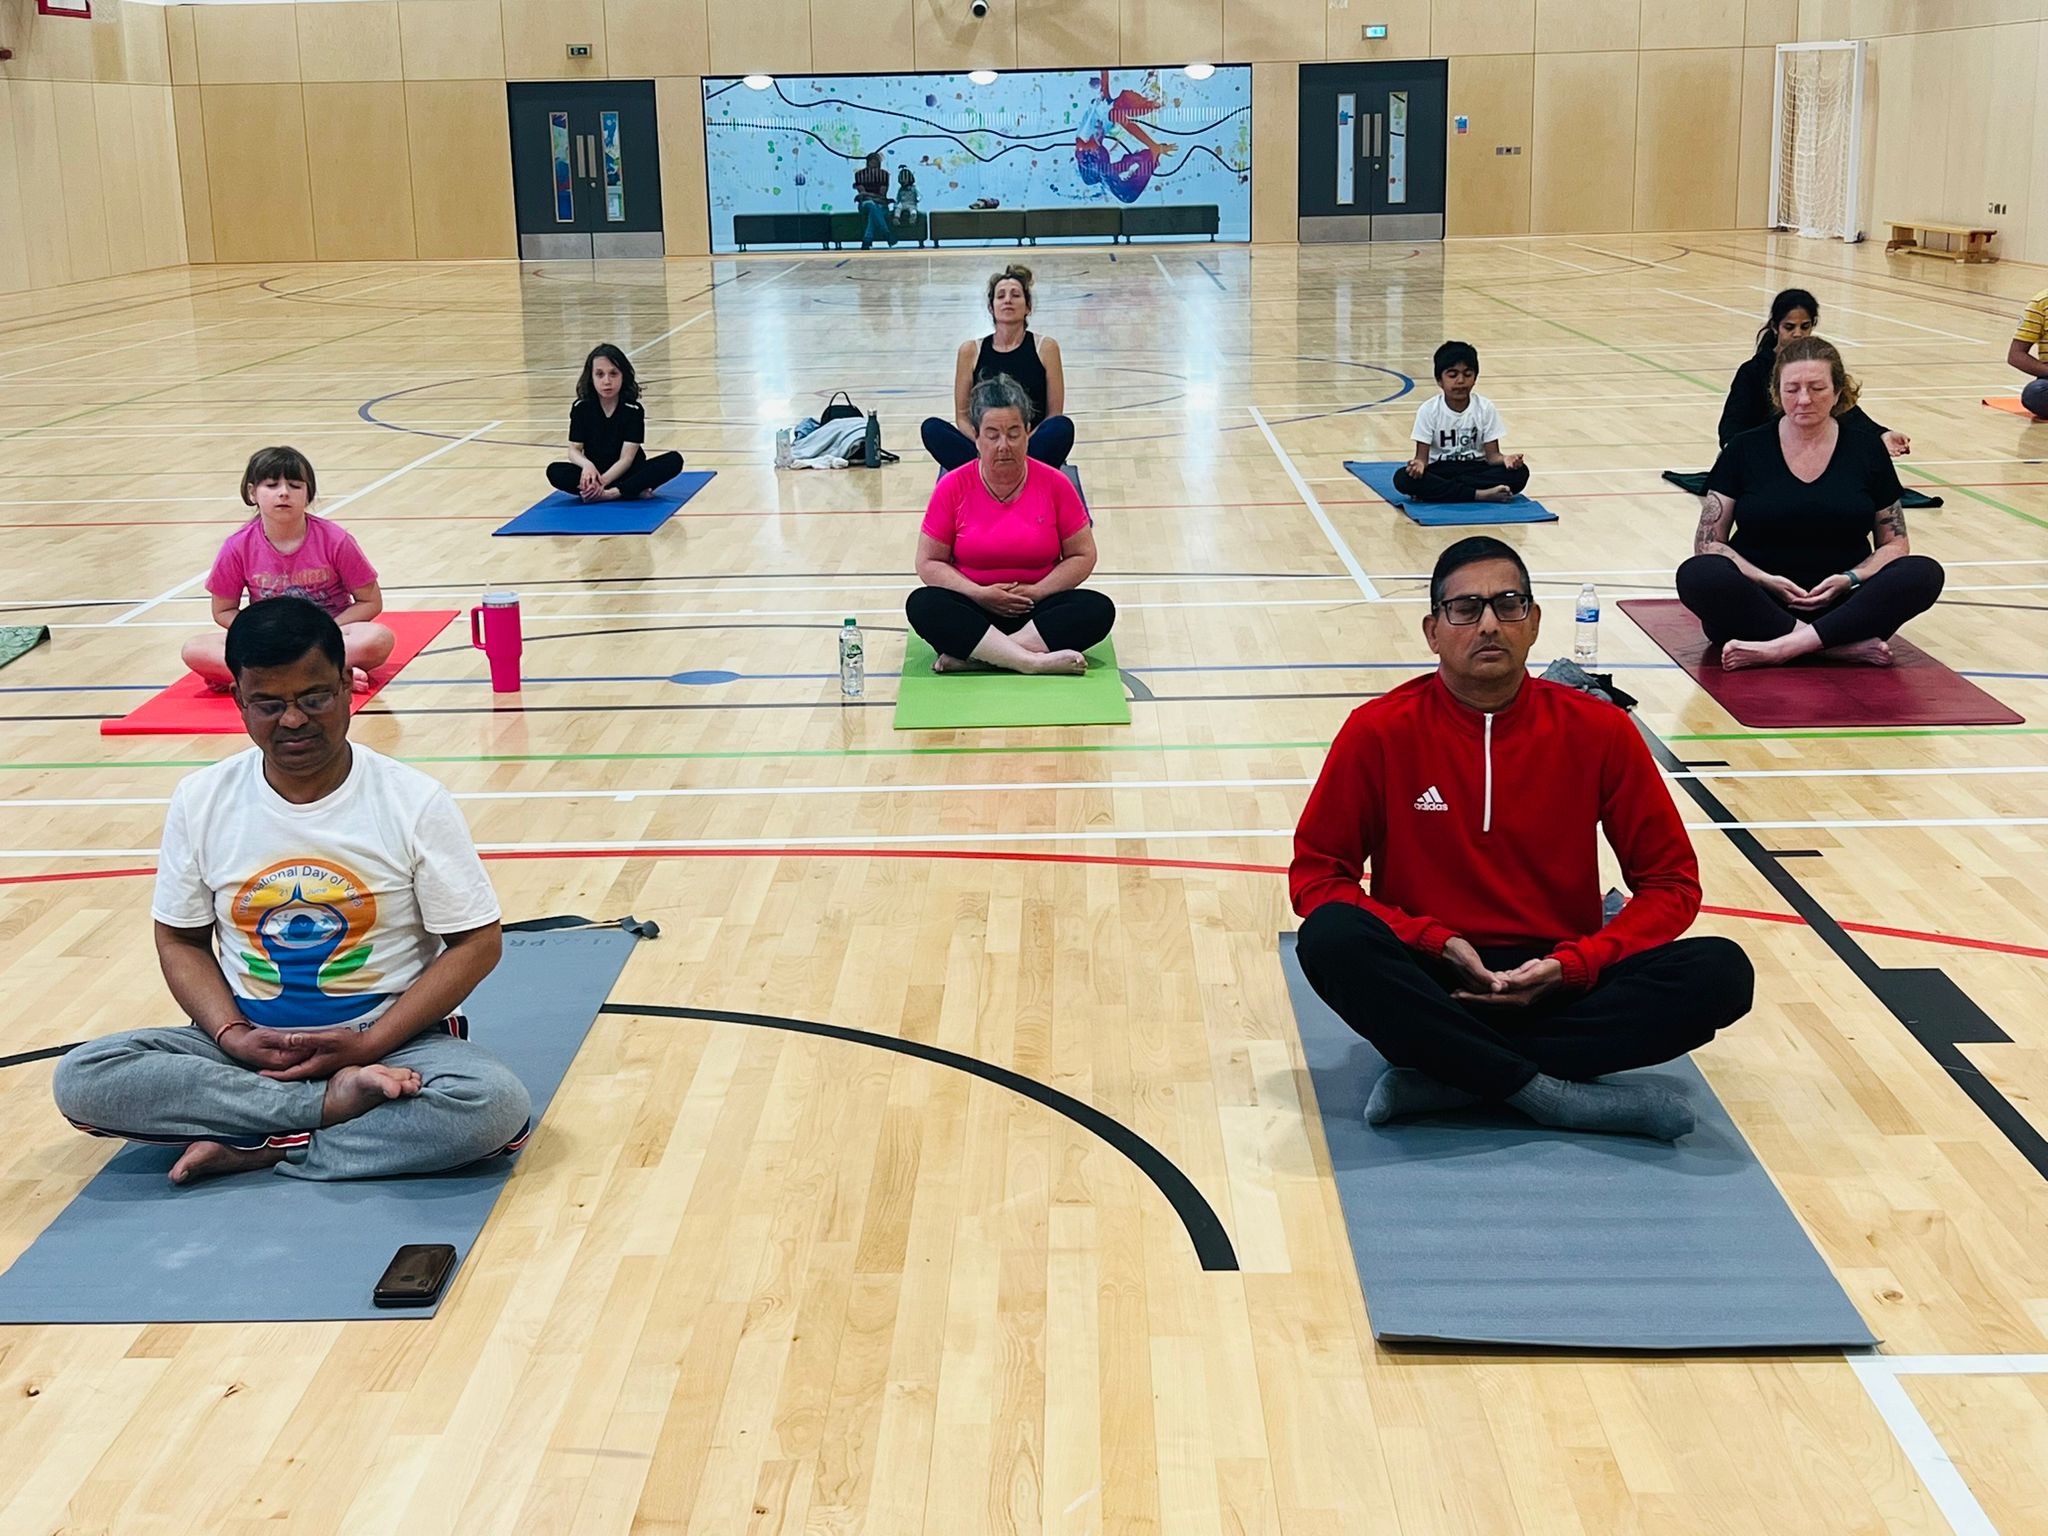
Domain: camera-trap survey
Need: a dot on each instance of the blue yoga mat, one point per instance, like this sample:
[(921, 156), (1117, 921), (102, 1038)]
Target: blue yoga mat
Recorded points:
[(256, 1247), (568, 516), (1448, 514), (1483, 1228)]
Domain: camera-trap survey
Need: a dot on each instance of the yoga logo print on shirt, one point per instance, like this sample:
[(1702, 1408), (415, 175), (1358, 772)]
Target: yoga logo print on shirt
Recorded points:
[(306, 927)]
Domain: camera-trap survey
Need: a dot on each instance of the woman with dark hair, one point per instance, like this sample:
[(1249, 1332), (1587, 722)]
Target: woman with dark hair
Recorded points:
[(1015, 351), (608, 435), (1794, 314), (1002, 553), (1801, 545)]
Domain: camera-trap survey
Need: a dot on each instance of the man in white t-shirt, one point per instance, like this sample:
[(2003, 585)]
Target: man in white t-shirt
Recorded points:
[(1457, 439), (321, 914)]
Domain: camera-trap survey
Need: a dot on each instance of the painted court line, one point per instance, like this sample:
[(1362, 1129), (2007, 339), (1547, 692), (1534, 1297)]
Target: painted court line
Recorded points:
[(1933, 1465), (1308, 497)]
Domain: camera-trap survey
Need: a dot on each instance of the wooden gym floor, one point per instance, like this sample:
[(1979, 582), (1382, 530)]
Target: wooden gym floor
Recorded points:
[(753, 1281)]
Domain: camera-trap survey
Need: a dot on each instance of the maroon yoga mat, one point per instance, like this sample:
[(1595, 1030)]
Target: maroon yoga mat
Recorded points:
[(1818, 693)]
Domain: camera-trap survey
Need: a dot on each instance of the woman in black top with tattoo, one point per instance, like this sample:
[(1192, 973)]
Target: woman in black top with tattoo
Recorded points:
[(1794, 313), (608, 435), (1801, 545)]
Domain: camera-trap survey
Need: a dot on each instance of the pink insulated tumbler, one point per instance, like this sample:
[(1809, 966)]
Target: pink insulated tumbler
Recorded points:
[(494, 630)]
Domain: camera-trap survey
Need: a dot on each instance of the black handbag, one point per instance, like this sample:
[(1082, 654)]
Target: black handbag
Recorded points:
[(839, 408)]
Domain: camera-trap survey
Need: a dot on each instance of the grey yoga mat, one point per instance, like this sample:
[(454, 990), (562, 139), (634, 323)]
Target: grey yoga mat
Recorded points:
[(1482, 1228), (133, 1248)]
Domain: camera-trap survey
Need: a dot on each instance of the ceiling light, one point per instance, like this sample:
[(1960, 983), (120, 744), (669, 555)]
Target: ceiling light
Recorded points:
[(982, 76), (759, 82), (1199, 71)]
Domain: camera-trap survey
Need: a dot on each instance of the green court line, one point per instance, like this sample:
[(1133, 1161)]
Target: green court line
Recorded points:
[(1647, 362), (1920, 473)]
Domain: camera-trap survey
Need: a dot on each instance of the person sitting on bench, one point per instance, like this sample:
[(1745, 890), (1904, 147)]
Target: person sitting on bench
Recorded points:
[(1477, 963), (1004, 548), (352, 917), (1457, 439), (1794, 313), (1014, 350), (608, 435), (2026, 354), (1782, 562)]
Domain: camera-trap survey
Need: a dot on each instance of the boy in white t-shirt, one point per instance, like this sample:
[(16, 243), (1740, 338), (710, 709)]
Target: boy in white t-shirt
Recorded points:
[(321, 914), (1457, 439)]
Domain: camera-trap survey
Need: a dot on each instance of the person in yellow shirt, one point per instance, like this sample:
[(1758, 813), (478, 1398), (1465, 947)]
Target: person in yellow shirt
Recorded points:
[(2025, 354)]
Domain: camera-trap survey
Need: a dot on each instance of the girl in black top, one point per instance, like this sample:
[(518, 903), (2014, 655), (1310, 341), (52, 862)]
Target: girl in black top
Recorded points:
[(608, 435), (1015, 350), (1794, 313), (1783, 562)]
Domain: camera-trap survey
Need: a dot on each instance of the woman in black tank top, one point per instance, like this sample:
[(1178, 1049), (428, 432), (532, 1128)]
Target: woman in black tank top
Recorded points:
[(1014, 350)]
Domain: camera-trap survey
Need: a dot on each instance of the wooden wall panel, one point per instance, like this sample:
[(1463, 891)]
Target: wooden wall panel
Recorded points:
[(1767, 23), (1482, 26), (1587, 26), (945, 36), (1262, 30), (461, 169), (883, 40), (1582, 166), (246, 44), (645, 38), (1172, 31), (1688, 137), (1488, 193), (144, 30), (1408, 31), (1276, 153), (1692, 23), (120, 178), (358, 166), (685, 217), (1069, 34), (538, 34), (33, 106), (163, 201), (1910, 125), (451, 40), (1992, 109), (181, 42), (78, 161), (1756, 161), (2035, 247), (195, 188), (769, 36), (356, 41), (14, 273), (46, 47), (256, 171)]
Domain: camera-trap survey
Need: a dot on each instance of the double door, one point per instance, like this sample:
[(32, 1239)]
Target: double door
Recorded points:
[(586, 169), (1372, 151)]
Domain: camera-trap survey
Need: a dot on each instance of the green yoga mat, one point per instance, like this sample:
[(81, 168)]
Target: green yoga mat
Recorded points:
[(933, 701), (17, 640)]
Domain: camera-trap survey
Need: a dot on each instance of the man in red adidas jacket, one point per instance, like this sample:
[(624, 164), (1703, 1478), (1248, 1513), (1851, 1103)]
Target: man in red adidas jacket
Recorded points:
[(1477, 962)]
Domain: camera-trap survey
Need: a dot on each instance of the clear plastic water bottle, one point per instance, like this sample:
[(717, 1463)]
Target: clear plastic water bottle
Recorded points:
[(852, 662), (1586, 644), (785, 442)]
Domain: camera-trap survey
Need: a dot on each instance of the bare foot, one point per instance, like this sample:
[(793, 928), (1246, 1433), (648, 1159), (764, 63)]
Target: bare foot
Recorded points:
[(1494, 493), (611, 493), (1872, 653), (210, 1159), (955, 664), (357, 1090), (220, 685), (359, 680), (1060, 663), (1737, 654)]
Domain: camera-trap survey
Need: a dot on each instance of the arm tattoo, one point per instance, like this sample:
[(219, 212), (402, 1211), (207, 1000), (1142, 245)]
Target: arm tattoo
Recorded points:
[(1891, 524), (1715, 511)]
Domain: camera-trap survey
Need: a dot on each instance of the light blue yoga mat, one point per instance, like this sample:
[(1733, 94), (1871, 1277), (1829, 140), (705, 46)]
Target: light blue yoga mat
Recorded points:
[(1483, 1228), (257, 1247), (564, 516), (1379, 478)]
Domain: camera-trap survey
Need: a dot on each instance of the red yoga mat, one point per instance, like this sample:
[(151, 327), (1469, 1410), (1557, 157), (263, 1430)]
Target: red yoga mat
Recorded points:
[(2011, 404), (189, 708), (1819, 693)]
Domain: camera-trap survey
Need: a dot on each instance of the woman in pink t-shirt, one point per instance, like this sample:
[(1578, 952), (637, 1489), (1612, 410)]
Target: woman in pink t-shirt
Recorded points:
[(1004, 548), (284, 551)]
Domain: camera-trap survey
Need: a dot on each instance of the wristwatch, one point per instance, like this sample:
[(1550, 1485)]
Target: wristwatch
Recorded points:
[(1855, 581)]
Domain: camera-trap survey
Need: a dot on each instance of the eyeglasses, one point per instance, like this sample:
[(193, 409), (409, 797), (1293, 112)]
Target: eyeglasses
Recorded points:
[(318, 702), (1508, 607)]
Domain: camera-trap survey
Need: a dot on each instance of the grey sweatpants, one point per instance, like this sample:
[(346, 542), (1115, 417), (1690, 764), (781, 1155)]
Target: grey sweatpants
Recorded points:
[(176, 1086)]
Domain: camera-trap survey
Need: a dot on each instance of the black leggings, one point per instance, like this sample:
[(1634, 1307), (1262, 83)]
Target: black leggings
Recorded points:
[(1459, 479), (1730, 606), (953, 624), (1649, 1008), (645, 474), (1051, 441)]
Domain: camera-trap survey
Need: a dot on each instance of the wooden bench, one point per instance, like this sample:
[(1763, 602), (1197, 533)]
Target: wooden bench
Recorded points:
[(1975, 247)]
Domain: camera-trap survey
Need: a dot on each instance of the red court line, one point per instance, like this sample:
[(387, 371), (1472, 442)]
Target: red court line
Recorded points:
[(982, 855)]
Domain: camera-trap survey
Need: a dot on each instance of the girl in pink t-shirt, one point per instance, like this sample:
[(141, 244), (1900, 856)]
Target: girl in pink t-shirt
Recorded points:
[(284, 551)]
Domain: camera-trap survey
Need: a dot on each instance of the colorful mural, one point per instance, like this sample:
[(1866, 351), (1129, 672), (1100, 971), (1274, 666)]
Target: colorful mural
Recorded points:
[(1045, 138)]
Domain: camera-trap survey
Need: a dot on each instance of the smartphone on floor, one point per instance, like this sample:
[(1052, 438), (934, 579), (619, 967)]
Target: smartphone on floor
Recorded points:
[(415, 1275)]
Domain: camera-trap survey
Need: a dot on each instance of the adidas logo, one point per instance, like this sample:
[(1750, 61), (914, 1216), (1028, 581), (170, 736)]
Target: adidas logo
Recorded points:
[(1430, 800)]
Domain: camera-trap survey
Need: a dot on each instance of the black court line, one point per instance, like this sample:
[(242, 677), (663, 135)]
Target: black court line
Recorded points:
[(1204, 1228), (1925, 1000), (45, 1054), (1793, 853)]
